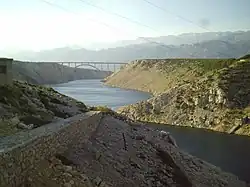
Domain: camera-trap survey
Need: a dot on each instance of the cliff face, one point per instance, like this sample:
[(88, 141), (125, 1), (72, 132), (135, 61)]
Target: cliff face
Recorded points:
[(212, 94), (50, 73)]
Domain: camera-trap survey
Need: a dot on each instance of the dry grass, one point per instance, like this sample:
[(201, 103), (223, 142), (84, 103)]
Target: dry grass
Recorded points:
[(194, 79), (154, 79), (7, 128)]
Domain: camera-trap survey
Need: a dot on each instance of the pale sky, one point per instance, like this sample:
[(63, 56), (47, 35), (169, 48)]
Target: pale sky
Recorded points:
[(35, 25)]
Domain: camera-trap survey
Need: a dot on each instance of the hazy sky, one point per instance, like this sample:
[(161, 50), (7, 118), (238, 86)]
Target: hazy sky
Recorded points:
[(35, 25)]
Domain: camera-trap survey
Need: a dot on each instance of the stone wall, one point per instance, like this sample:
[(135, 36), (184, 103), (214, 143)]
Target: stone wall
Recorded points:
[(5, 71), (21, 152)]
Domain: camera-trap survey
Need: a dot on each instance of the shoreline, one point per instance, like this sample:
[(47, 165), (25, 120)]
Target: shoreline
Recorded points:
[(184, 101), (130, 89), (48, 84), (116, 109), (151, 123), (135, 96)]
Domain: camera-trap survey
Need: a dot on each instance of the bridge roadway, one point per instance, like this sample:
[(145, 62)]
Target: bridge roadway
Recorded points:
[(98, 65), (95, 65)]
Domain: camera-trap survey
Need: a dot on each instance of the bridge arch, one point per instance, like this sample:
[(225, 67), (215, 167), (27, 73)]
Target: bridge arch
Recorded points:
[(93, 66)]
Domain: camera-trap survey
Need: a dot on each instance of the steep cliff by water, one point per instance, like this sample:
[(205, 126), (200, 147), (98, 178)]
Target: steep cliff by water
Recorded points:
[(204, 93), (51, 73)]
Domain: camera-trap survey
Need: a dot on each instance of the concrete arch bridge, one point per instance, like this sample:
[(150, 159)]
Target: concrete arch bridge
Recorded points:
[(100, 66)]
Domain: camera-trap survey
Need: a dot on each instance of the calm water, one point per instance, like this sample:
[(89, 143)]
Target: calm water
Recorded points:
[(230, 152), (93, 92)]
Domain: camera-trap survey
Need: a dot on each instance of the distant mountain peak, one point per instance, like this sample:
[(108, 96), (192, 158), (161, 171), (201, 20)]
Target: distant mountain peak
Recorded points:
[(200, 45)]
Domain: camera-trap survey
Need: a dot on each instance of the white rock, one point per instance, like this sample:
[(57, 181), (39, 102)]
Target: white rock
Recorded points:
[(97, 181), (169, 138), (164, 133), (68, 168), (67, 175), (67, 185), (22, 126), (15, 121), (31, 126)]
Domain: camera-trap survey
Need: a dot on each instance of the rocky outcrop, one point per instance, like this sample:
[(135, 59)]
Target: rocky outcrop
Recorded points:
[(119, 154), (213, 94), (50, 73), (26, 106)]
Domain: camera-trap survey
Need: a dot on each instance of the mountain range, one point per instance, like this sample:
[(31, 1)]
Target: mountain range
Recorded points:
[(188, 45)]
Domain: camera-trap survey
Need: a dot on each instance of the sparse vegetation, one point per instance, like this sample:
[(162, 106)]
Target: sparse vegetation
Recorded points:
[(104, 109), (215, 64), (6, 128), (28, 104), (206, 93)]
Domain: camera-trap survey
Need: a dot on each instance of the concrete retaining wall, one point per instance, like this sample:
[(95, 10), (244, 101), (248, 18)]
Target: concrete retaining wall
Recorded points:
[(21, 152)]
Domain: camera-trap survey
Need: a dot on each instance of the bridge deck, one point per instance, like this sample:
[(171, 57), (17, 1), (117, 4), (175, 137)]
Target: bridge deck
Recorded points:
[(98, 65), (87, 62)]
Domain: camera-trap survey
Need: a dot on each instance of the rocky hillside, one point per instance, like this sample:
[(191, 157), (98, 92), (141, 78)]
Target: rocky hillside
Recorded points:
[(119, 154), (205, 93), (25, 106), (50, 73)]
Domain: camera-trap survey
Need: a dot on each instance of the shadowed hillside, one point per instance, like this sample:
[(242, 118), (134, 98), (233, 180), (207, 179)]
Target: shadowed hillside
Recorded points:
[(27, 106), (50, 73)]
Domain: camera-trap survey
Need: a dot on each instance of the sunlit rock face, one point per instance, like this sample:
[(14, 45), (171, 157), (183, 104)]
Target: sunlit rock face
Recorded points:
[(213, 94)]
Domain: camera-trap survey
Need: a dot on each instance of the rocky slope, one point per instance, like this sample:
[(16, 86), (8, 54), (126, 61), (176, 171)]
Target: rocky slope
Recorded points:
[(25, 106), (211, 93), (119, 154), (50, 73)]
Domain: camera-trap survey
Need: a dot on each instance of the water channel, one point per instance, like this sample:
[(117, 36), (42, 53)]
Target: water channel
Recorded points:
[(230, 152)]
